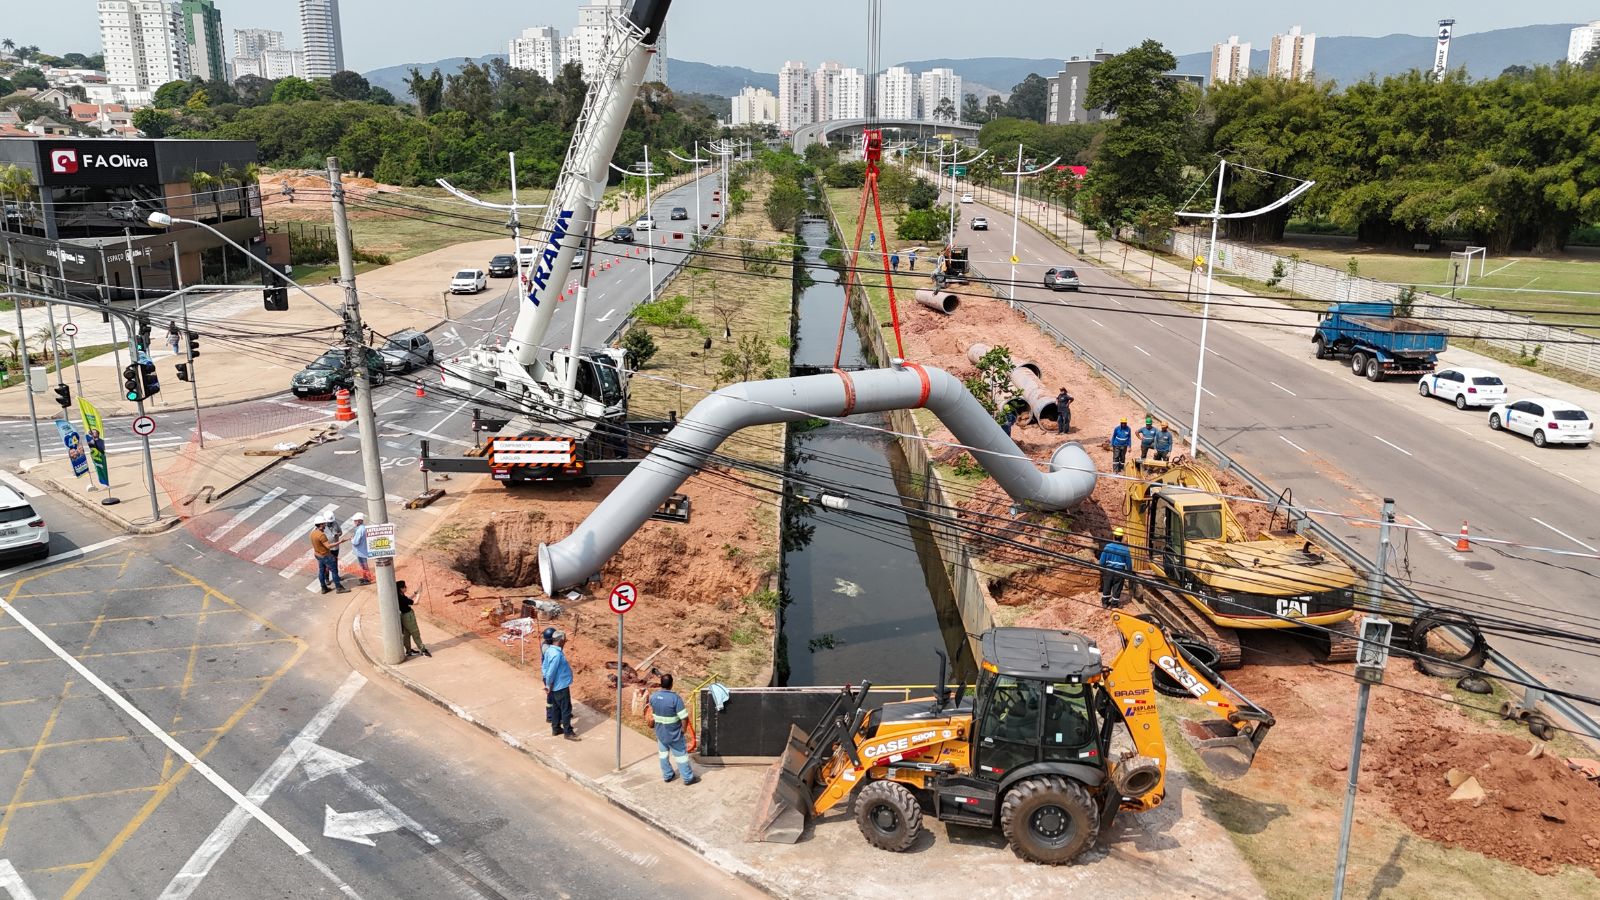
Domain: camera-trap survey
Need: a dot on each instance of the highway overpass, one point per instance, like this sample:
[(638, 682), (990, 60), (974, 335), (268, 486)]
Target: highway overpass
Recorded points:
[(818, 132)]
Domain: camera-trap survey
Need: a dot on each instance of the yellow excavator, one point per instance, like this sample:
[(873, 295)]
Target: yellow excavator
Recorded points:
[(1181, 531), (1053, 744)]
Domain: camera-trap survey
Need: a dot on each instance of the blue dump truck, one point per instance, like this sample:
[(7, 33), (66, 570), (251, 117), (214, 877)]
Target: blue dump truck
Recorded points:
[(1377, 342)]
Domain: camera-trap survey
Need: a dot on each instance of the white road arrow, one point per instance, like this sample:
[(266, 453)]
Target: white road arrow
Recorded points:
[(319, 761), (356, 827), (607, 316), (11, 882)]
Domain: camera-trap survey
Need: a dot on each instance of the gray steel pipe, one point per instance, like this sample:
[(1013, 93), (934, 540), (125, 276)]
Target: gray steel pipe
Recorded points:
[(1025, 376), (976, 353), (938, 301), (685, 449)]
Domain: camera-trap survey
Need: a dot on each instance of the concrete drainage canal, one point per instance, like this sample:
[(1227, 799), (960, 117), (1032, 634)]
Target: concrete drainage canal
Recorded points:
[(865, 593)]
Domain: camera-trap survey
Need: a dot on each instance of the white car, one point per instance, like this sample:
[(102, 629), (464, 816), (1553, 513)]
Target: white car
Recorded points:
[(1464, 387), (1545, 420), (966, 198), (980, 223), (22, 528), (644, 223), (469, 281)]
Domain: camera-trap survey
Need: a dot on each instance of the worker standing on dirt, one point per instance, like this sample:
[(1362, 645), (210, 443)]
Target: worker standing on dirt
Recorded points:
[(1008, 421), (1063, 411), (1121, 440), (1147, 439), (1164, 443), (1115, 563), (408, 624), (557, 674), (671, 744)]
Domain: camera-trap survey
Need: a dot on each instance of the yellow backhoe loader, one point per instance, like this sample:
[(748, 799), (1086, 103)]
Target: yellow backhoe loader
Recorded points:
[(1052, 745), (1182, 532)]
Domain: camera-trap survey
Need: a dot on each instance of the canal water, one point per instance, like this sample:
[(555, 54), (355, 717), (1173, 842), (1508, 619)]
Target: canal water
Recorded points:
[(865, 598)]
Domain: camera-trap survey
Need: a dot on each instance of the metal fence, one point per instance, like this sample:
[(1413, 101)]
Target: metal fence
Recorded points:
[(1506, 331)]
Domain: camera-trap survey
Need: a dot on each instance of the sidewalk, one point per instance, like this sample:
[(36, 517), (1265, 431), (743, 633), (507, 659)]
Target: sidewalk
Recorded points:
[(1175, 847)]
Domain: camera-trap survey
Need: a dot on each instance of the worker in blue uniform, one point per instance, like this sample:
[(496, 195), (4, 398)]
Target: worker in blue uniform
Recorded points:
[(669, 713)]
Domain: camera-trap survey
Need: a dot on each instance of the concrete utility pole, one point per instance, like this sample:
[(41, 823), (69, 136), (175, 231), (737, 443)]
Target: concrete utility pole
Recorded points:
[(22, 350), (377, 508), (1016, 211), (188, 344)]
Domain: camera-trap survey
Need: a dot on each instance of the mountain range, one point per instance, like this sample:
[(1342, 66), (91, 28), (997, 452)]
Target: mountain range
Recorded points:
[(1341, 59)]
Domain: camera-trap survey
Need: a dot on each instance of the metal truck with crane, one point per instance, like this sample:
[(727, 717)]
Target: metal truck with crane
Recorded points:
[(572, 400)]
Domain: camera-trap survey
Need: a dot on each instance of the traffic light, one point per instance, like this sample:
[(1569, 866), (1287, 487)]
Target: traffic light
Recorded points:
[(276, 293), (183, 371), (63, 395), (133, 382), (194, 345), (152, 385), (142, 339)]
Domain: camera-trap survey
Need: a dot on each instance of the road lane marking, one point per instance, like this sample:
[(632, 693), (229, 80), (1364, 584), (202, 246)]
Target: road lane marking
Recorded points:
[(1096, 321), (360, 489), (271, 522), (1141, 349), (227, 831), (242, 804), (1396, 446), (1282, 388), (284, 542), (1157, 324), (20, 486), (1570, 478), (74, 553), (1291, 443), (12, 884), (1564, 534), (1207, 390), (246, 513)]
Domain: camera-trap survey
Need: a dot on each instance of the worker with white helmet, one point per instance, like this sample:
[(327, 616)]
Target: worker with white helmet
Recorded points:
[(325, 542), (358, 542)]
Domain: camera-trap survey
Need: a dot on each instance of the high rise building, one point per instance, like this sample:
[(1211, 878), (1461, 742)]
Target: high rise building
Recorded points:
[(202, 31), (849, 97), (254, 41), (823, 82), (586, 44), (1230, 62), (794, 96), (1064, 93), (144, 43), (936, 85), (1583, 41), (1290, 55), (537, 50), (320, 37), (754, 106), (897, 94), (260, 52)]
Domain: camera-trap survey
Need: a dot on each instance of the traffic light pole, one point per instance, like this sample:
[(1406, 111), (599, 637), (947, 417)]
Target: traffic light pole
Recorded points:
[(149, 464), (371, 464), (188, 345), (22, 350)]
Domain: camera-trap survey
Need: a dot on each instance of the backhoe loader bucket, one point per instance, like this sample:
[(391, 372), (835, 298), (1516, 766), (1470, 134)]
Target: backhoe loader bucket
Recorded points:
[(1225, 749), (789, 787)]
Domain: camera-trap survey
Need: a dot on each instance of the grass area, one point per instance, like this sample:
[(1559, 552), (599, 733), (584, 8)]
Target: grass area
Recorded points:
[(1558, 286), (12, 376), (845, 201)]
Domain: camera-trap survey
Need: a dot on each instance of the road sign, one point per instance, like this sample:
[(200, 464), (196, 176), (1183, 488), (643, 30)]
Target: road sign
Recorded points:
[(623, 597), (380, 541), (957, 171), (144, 426), (70, 329), (1199, 263)]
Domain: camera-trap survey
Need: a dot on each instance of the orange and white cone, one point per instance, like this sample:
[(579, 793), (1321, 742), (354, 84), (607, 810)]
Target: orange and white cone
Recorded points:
[(1462, 546)]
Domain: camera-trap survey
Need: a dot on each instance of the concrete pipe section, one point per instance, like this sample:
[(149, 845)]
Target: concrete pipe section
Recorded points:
[(1025, 376), (938, 301), (571, 561)]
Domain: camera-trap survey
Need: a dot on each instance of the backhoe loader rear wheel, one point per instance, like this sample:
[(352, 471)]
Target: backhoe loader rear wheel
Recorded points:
[(888, 815), (1049, 820)]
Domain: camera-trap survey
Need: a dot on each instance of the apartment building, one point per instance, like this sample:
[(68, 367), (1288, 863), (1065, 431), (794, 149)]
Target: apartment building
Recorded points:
[(321, 38), (934, 86), (538, 49), (754, 106), (897, 94), (794, 96), (144, 43), (1291, 54), (1230, 62)]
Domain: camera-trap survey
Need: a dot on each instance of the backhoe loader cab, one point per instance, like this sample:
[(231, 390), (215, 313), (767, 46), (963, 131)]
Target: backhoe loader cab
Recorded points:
[(1054, 742)]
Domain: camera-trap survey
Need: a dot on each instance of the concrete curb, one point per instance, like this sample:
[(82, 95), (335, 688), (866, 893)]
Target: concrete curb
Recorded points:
[(94, 506), (616, 798)]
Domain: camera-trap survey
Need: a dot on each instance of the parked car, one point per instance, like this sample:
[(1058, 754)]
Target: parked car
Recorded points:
[(1062, 279), (406, 350), (966, 198), (622, 234), (22, 529), (1464, 387), (679, 214), (503, 266), (1546, 420), (644, 223), (980, 223), (331, 371), (469, 281)]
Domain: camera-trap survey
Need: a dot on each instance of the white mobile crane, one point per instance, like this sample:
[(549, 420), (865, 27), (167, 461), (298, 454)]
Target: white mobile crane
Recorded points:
[(569, 399)]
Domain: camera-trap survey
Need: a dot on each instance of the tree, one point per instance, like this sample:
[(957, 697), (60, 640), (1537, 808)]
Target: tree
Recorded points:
[(922, 195), (993, 378), (994, 107), (8, 45), (293, 89), (944, 110), (6, 87), (23, 79), (198, 102), (1142, 157), (470, 91), (749, 360), (921, 225), (970, 110), (154, 121), (349, 85), (253, 90), (785, 202), (427, 91), (381, 96), (847, 175), (640, 346), (1030, 98)]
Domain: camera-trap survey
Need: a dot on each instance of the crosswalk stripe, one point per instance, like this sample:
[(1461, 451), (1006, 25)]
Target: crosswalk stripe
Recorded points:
[(268, 525), (20, 486), (360, 490), (287, 540), (246, 513)]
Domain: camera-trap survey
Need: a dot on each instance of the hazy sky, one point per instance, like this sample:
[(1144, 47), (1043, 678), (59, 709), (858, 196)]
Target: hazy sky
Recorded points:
[(761, 34)]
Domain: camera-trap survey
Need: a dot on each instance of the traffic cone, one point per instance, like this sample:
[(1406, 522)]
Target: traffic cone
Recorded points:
[(341, 410), (1461, 542), (420, 391)]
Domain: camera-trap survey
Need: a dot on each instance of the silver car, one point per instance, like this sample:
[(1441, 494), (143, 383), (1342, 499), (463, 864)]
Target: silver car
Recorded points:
[(1062, 279), (406, 350)]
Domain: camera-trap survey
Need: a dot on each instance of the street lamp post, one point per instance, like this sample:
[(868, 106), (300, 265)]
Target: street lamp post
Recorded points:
[(650, 243), (1016, 211)]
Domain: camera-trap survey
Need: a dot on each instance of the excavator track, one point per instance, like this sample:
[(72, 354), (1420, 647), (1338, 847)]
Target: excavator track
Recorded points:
[(1181, 618), (1338, 643)]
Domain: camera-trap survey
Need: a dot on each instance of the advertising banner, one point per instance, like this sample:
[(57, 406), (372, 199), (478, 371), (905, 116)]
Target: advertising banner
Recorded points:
[(96, 440), (74, 445)]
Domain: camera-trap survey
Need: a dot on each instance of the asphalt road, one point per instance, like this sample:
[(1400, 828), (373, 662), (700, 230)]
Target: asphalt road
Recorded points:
[(1341, 443), (384, 795)]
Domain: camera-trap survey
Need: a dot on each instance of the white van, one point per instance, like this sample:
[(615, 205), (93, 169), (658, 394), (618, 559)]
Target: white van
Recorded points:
[(22, 528)]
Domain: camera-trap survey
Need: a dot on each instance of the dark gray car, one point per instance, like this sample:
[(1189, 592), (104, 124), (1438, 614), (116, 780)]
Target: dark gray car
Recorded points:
[(406, 350)]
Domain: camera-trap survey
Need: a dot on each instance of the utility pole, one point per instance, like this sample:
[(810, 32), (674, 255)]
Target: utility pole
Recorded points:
[(377, 508), (22, 348), (1016, 212), (188, 344), (139, 357), (72, 339)]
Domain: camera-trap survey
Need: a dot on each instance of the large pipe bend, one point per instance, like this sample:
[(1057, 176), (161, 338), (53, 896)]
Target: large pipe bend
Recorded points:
[(685, 449)]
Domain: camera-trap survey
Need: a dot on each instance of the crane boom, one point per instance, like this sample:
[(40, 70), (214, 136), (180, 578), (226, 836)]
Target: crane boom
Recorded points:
[(581, 186)]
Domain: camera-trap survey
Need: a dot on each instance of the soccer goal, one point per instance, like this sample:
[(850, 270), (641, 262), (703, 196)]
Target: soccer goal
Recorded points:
[(1465, 256)]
